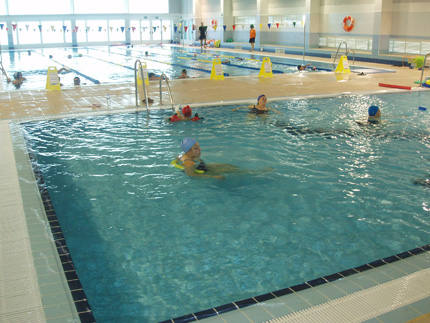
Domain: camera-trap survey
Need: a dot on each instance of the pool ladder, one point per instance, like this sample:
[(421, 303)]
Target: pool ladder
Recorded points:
[(346, 53), (165, 78), (138, 68), (422, 71)]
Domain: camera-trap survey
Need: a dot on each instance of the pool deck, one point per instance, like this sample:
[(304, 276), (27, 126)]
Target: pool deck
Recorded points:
[(24, 290)]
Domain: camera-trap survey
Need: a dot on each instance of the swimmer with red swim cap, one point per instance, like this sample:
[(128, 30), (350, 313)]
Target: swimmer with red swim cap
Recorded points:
[(185, 116)]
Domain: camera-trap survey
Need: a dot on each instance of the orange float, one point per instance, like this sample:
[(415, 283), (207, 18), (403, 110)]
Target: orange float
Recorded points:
[(348, 23)]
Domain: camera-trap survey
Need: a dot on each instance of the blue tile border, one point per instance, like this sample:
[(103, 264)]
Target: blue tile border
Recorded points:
[(296, 288), (79, 297)]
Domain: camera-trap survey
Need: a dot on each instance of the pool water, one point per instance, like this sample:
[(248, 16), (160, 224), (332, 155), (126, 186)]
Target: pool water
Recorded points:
[(322, 195), (103, 64)]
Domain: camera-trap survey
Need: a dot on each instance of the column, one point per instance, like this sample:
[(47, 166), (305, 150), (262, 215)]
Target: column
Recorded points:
[(312, 22), (382, 26)]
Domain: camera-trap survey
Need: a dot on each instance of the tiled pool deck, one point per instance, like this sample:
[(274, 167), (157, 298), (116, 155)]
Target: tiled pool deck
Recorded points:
[(33, 283)]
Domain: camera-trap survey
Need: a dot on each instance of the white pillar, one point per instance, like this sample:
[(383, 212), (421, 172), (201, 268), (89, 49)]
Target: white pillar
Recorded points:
[(382, 26)]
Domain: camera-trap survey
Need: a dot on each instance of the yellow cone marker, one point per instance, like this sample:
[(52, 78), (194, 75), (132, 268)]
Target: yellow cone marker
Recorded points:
[(266, 68), (145, 75), (343, 66), (216, 72), (52, 79)]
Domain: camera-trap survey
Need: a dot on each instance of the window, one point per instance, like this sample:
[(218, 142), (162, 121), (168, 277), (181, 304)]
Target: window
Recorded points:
[(100, 6), (81, 33), (146, 35), (149, 6), (39, 7), (97, 30), (135, 31), (116, 30), (52, 32), (29, 32), (167, 32), (156, 30)]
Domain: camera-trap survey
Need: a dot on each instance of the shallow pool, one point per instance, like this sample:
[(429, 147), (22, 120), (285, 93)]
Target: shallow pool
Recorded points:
[(323, 195)]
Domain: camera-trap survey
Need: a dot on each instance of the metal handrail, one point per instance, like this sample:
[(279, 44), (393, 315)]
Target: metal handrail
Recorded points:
[(353, 55), (422, 71), (143, 83), (164, 76), (337, 52)]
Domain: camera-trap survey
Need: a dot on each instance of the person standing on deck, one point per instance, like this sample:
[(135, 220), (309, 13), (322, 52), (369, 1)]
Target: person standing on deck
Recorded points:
[(252, 35)]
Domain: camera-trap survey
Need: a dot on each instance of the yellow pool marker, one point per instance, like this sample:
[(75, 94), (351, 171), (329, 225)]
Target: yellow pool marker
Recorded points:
[(266, 68), (216, 72), (52, 79), (145, 75), (343, 66)]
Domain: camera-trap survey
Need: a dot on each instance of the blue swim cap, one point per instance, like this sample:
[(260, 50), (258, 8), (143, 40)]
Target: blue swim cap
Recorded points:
[(373, 109), (259, 97), (187, 143)]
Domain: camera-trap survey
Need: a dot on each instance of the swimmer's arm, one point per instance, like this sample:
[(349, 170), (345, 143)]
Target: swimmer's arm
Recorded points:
[(274, 110), (190, 171), (248, 107)]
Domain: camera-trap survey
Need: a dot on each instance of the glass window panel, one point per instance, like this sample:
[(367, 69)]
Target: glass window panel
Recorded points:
[(3, 34), (413, 47), (39, 7), (29, 33), (2, 8), (156, 30), (81, 34), (100, 6), (135, 30), (323, 42), (67, 31), (52, 32), (425, 47), (97, 30), (398, 46), (146, 35), (116, 30), (167, 32), (149, 6)]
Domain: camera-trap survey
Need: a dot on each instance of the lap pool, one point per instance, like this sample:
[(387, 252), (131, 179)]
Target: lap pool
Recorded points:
[(324, 195), (115, 64)]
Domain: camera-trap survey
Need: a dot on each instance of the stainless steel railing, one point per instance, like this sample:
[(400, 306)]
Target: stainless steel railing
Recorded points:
[(165, 78), (422, 71), (138, 68)]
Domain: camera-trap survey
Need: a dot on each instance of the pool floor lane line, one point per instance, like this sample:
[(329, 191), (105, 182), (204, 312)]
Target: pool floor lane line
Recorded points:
[(89, 78), (157, 61)]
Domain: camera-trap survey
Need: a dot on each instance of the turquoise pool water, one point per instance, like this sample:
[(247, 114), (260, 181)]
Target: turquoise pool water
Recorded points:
[(115, 64), (149, 243)]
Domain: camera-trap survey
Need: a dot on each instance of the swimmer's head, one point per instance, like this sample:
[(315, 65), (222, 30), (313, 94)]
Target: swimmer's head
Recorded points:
[(187, 143), (186, 111), (76, 80), (259, 97), (373, 110), (300, 67)]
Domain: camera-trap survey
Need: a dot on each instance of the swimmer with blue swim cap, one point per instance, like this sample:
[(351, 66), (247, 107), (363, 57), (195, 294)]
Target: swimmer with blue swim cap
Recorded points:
[(374, 114)]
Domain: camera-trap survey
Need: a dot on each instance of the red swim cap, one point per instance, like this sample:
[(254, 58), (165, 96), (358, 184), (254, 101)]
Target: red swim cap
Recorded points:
[(174, 118), (186, 111)]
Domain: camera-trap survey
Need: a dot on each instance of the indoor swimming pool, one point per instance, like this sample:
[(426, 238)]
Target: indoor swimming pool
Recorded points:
[(115, 64), (317, 194)]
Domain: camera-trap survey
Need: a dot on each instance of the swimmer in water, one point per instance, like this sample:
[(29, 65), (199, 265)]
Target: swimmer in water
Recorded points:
[(374, 116), (307, 66), (194, 166), (185, 116), (260, 107)]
